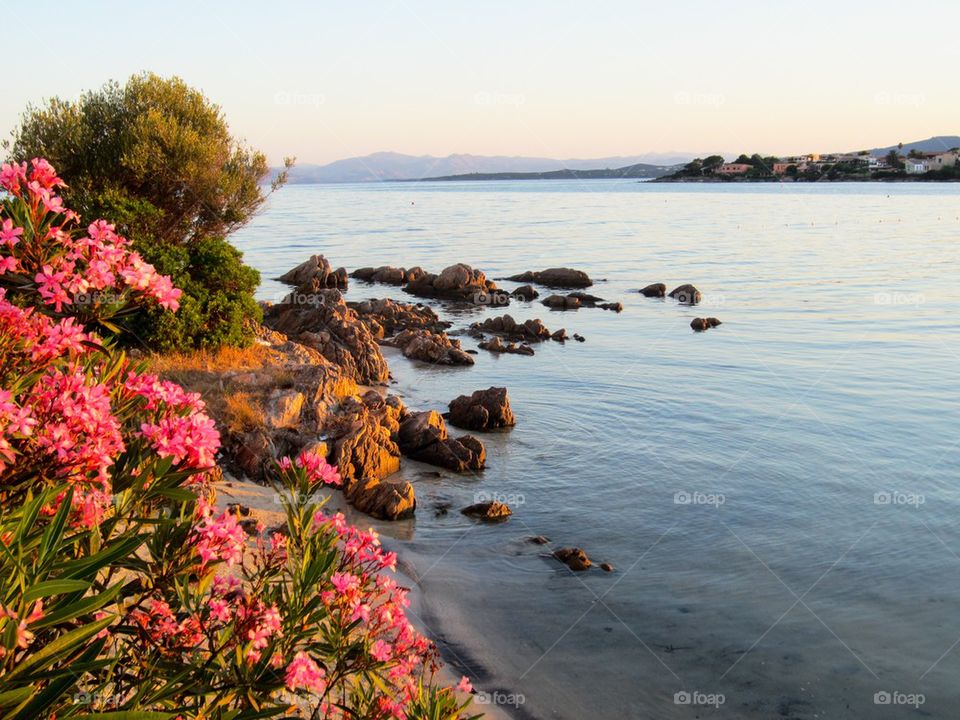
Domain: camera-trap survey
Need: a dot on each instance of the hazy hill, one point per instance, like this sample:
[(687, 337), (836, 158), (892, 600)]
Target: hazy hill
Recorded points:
[(940, 143), (637, 170), (396, 166)]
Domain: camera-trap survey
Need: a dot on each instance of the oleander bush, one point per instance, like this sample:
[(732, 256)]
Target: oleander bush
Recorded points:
[(124, 592), (157, 157)]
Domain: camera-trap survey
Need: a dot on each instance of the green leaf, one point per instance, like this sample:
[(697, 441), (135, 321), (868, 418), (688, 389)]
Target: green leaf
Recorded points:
[(81, 607), (130, 715), (63, 645), (54, 587), (16, 697)]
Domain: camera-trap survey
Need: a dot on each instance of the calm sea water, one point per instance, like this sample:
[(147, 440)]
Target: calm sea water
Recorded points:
[(815, 434)]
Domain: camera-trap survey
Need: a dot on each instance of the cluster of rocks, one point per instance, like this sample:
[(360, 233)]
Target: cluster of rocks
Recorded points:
[(385, 317), (431, 347), (685, 294), (423, 436), (518, 335), (459, 282), (577, 300), (555, 278), (389, 275), (318, 272)]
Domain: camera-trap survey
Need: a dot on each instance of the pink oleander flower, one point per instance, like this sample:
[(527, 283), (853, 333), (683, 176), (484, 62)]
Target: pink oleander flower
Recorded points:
[(10, 235), (464, 685), (8, 265), (318, 470), (381, 651), (219, 538), (304, 674)]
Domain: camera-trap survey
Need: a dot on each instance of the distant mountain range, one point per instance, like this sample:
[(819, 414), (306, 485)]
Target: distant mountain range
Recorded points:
[(940, 143), (396, 166)]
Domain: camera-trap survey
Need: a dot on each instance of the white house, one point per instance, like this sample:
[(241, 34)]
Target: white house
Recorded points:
[(915, 166)]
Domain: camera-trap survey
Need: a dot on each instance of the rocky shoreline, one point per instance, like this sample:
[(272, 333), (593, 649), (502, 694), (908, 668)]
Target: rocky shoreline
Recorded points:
[(323, 383)]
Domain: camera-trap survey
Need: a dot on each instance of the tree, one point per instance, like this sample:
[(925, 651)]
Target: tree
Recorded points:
[(712, 162), (157, 157), (894, 161)]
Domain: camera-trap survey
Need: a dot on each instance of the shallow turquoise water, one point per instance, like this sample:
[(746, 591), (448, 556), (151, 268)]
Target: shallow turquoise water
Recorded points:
[(832, 379)]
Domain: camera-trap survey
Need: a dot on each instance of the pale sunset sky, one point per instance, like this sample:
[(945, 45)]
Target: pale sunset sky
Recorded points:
[(328, 80)]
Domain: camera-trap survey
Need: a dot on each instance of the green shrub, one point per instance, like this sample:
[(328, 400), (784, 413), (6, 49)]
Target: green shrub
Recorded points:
[(157, 157)]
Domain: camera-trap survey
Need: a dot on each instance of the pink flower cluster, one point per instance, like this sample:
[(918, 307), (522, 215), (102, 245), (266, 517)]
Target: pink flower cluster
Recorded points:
[(67, 266), (218, 537), (318, 470)]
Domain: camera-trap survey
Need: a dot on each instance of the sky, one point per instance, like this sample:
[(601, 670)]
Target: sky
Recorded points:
[(331, 79)]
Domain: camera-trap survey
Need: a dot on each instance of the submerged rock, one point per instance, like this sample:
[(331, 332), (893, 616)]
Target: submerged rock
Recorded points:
[(532, 330), (615, 307), (561, 302), (497, 346), (555, 277), (655, 290), (686, 294), (538, 539), (483, 410), (459, 282), (318, 269), (701, 324), (490, 510), (525, 292), (574, 558), (430, 347)]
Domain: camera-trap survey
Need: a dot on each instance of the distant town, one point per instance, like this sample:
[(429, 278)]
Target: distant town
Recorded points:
[(895, 165)]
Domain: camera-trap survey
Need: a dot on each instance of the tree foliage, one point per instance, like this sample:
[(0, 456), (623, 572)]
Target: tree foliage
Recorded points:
[(157, 157)]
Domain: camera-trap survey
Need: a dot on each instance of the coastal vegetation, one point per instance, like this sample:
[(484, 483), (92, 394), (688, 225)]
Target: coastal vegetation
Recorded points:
[(156, 157), (126, 592)]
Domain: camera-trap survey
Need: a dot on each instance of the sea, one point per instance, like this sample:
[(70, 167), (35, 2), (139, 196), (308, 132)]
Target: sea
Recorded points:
[(778, 496)]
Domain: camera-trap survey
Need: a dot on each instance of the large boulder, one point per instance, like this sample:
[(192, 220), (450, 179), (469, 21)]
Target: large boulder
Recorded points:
[(383, 499), (361, 439), (318, 269), (483, 410), (389, 275), (555, 277), (385, 317), (320, 319), (459, 282), (423, 436), (430, 347), (561, 302), (283, 408), (686, 294)]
